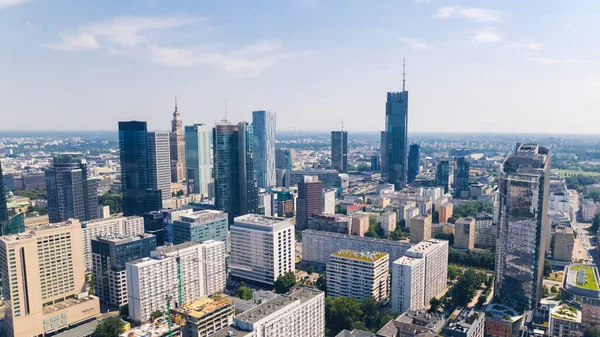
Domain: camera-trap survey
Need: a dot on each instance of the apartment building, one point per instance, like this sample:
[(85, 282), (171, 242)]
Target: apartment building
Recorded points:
[(201, 226), (360, 224), (464, 233), (445, 211), (329, 200), (205, 316), (564, 240), (485, 232), (465, 322), (388, 222), (335, 223), (420, 228)]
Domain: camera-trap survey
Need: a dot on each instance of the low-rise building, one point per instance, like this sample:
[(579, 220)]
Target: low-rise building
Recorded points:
[(465, 322), (359, 275), (413, 323), (336, 223), (565, 321), (205, 316), (581, 285), (502, 321)]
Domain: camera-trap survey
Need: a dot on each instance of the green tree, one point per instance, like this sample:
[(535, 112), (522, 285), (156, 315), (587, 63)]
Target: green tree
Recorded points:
[(289, 214), (545, 292), (322, 282), (124, 310), (34, 194), (445, 236), (180, 193), (453, 272), (285, 282), (594, 195), (110, 327), (342, 313), (370, 309), (114, 201), (244, 292), (547, 268), (481, 300), (157, 314), (591, 333), (434, 304), (553, 289)]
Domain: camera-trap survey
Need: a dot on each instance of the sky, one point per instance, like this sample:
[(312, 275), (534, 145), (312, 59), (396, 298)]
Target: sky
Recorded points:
[(471, 66)]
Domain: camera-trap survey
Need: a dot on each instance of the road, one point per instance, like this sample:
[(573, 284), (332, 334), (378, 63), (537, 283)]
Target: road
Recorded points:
[(583, 248)]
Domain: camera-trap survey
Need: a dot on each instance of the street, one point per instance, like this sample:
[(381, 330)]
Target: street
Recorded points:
[(583, 248)]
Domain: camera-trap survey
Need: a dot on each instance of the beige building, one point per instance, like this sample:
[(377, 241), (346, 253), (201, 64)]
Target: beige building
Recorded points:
[(420, 228), (205, 316), (464, 233), (360, 224), (563, 244), (445, 211), (44, 281), (388, 222), (37, 221)]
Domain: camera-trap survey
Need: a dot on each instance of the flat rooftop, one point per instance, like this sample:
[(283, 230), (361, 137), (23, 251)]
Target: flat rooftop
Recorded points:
[(203, 216), (203, 306), (67, 303), (277, 303), (426, 246), (332, 235), (590, 280), (117, 238), (360, 256), (261, 222), (408, 261)]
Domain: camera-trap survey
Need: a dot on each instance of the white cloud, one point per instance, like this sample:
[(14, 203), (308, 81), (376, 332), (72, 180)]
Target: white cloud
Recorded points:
[(10, 3), (415, 44), (549, 61), (487, 36), (593, 82), (471, 13), (533, 46), (80, 41)]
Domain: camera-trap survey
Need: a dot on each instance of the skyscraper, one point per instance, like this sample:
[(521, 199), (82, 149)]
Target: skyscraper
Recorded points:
[(310, 200), (3, 208), (236, 190), (461, 178), (71, 194), (197, 158), (524, 226), (414, 162), (177, 149), (442, 175), (339, 150), (396, 129), (159, 163), (263, 126), (383, 154), (284, 158)]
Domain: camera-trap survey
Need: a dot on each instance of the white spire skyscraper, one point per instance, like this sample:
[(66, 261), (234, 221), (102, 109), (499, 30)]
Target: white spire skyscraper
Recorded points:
[(177, 140)]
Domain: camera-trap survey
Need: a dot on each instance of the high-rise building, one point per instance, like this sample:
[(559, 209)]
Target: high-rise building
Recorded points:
[(445, 211), (414, 162), (263, 127), (396, 141), (177, 141), (524, 226), (236, 188), (159, 163), (310, 200), (284, 158), (359, 275), (110, 253), (197, 158), (383, 153), (201, 226), (3, 208), (376, 162), (70, 193), (389, 222), (564, 241), (151, 279), (43, 280), (262, 248), (360, 224), (339, 150), (420, 275), (329, 201), (461, 178), (442, 175), (464, 233), (420, 228)]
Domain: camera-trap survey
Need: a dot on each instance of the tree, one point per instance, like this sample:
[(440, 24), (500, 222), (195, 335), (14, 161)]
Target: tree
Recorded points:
[(594, 195), (289, 214), (434, 304), (453, 272), (481, 300), (114, 201), (244, 292), (285, 282), (342, 313), (591, 333), (110, 327), (370, 309), (157, 314), (451, 219), (124, 310), (553, 289), (483, 260), (595, 223), (545, 292), (322, 282), (547, 268), (180, 193), (445, 236)]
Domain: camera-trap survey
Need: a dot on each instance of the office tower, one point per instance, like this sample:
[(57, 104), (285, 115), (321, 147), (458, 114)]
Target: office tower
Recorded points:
[(317, 246), (284, 158), (159, 163), (43, 280), (329, 178), (396, 142), (420, 228), (414, 162), (461, 178), (329, 201), (127, 226), (262, 248), (236, 190), (301, 314), (442, 175), (420, 275), (335, 223), (383, 153), (563, 244), (263, 127), (205, 316), (3, 208), (388, 222), (197, 158), (445, 211), (70, 193), (376, 163), (524, 226), (151, 279), (309, 200), (177, 148), (339, 150), (359, 275), (464, 233), (360, 224), (110, 254), (201, 226)]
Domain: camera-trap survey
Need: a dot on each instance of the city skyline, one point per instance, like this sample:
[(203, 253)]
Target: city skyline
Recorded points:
[(141, 54)]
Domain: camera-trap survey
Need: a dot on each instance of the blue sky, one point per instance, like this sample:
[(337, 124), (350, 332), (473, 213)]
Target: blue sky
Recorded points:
[(493, 66)]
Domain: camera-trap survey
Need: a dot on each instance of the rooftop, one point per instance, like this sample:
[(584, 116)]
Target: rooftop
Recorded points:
[(120, 238), (502, 311), (277, 303), (67, 303), (203, 306), (590, 281), (262, 222), (203, 216), (566, 312), (354, 237), (360, 256)]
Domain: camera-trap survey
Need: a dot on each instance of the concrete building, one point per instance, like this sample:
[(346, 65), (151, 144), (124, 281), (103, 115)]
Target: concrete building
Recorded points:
[(388, 222), (285, 158), (419, 275), (43, 280), (329, 200), (151, 279), (339, 150), (445, 211), (565, 321), (589, 208), (301, 313), (201, 226), (580, 285), (263, 124), (410, 213), (205, 316), (464, 233), (485, 232), (563, 244), (262, 248), (360, 224), (310, 200), (502, 321), (197, 158), (110, 253), (159, 163), (359, 275), (336, 223), (317, 246), (420, 228), (465, 322), (177, 147), (412, 324)]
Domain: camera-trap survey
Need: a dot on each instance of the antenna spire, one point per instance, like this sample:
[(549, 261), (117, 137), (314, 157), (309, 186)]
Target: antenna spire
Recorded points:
[(225, 108), (342, 125), (175, 103), (403, 74)]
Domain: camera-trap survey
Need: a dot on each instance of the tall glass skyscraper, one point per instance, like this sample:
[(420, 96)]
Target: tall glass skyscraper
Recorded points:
[(159, 163), (236, 188), (197, 158), (396, 129), (339, 150), (3, 208), (442, 175), (263, 127), (524, 226), (461, 177), (414, 162)]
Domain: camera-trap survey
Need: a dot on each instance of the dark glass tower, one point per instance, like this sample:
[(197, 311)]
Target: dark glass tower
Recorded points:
[(414, 162), (339, 150), (442, 175), (263, 127), (396, 130), (3, 208), (461, 178), (310, 200)]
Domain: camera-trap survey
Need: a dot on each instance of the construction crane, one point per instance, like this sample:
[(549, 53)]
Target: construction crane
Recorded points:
[(169, 322), (178, 259)]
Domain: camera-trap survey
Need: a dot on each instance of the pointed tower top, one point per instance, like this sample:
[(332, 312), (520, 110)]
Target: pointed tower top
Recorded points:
[(175, 103), (403, 74), (342, 125), (225, 109)]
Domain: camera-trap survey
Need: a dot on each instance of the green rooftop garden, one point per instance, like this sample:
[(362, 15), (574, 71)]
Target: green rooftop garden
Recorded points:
[(565, 312), (590, 278)]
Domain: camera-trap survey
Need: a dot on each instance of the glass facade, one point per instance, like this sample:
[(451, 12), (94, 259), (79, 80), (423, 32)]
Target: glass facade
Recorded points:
[(133, 145), (263, 126), (3, 209), (396, 129), (414, 162), (461, 177), (197, 158), (14, 225), (442, 175), (339, 150)]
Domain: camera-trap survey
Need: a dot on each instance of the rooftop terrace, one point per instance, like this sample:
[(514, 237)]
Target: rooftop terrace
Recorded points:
[(360, 256)]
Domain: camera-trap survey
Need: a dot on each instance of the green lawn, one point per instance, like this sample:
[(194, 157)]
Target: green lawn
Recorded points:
[(590, 279), (564, 173)]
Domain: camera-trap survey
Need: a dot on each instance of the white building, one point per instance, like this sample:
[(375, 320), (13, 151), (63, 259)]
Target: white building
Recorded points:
[(265, 203), (388, 222), (589, 208), (159, 163), (329, 201), (419, 275), (127, 226), (150, 280), (359, 275), (485, 232), (433, 192), (299, 314), (262, 248), (410, 213)]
